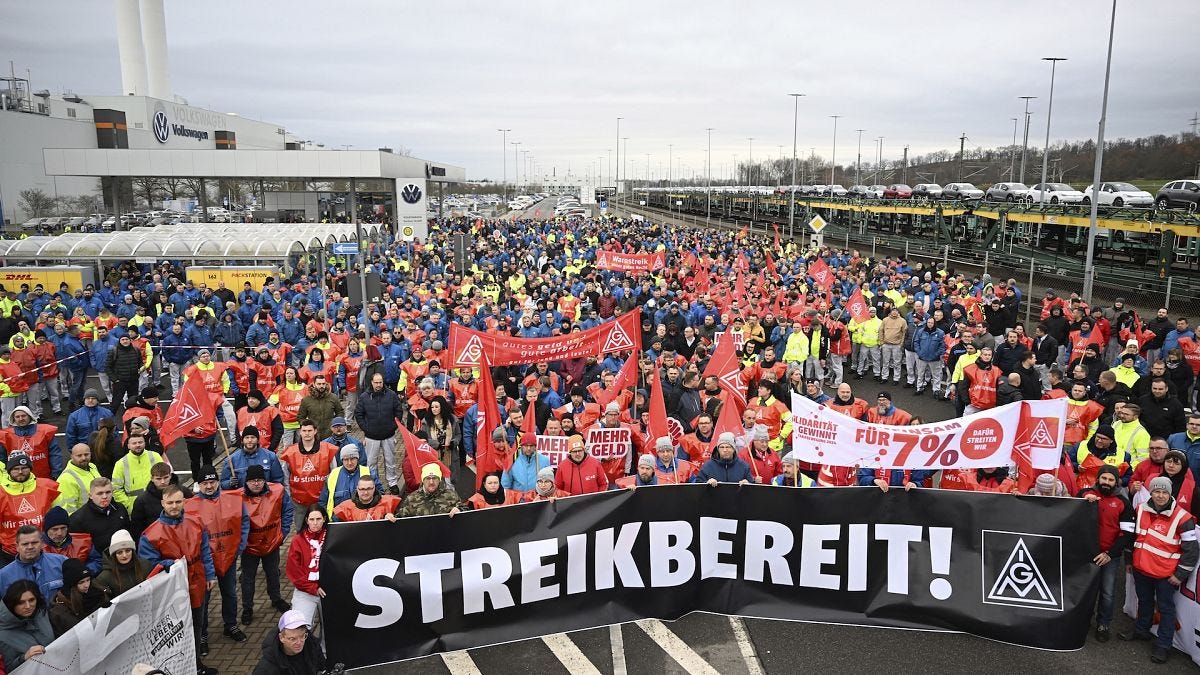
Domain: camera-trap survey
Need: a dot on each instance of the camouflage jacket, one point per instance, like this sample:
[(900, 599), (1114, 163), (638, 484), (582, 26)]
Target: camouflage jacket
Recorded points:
[(421, 503)]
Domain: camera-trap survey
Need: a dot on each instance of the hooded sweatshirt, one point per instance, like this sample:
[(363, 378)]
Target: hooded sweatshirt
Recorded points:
[(17, 635)]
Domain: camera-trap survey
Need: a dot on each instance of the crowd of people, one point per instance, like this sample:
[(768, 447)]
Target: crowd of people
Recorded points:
[(328, 412)]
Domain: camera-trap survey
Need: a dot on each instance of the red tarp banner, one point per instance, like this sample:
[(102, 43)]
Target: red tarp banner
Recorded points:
[(630, 262), (469, 347)]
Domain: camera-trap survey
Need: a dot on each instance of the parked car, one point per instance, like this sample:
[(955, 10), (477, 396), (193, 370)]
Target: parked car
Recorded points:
[(877, 191), (961, 191), (1053, 193), (897, 191), (858, 192), (1006, 192), (1179, 194), (927, 190), (1119, 194), (834, 191)]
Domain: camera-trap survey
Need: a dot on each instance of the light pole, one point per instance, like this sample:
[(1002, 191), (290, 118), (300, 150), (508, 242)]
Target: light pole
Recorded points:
[(878, 159), (792, 191), (617, 168), (708, 180), (1025, 142), (750, 162), (516, 166), (833, 155), (1089, 265), (504, 158), (625, 161), (858, 162), (1012, 153), (1049, 109)]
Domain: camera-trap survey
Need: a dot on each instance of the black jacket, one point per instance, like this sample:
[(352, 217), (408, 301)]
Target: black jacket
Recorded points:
[(100, 523), (148, 506), (1161, 418), (273, 661), (376, 413), (1031, 384), (1046, 350), (124, 363), (1006, 393)]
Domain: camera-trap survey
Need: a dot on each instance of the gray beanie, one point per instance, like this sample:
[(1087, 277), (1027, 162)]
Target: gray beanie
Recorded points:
[(761, 433), (1160, 483), (546, 473), (647, 460), (790, 458), (663, 443), (727, 439)]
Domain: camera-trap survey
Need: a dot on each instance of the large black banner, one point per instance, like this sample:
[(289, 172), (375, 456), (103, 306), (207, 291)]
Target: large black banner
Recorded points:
[(1016, 569)]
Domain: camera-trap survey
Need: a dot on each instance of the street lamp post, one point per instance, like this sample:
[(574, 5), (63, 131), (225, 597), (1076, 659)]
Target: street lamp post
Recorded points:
[(858, 162), (1049, 109), (1025, 141), (1089, 265), (708, 181), (516, 166), (792, 191), (617, 168), (750, 163), (878, 160), (1012, 153), (504, 157), (833, 155)]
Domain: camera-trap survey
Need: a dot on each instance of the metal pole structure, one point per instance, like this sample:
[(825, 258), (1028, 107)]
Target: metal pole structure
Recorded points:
[(1049, 109), (833, 155), (362, 256), (617, 176), (750, 162), (504, 158), (516, 167), (858, 162), (708, 181), (1025, 142), (792, 191), (904, 171), (1089, 265), (878, 160), (1012, 154)]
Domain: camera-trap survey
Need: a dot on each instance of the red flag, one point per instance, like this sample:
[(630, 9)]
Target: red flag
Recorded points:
[(626, 377), (742, 232), (725, 366), (192, 410), (658, 408), (821, 274), (857, 306), (728, 420), (418, 453), (775, 226), (529, 424), (771, 266), (739, 288), (742, 262), (487, 420)]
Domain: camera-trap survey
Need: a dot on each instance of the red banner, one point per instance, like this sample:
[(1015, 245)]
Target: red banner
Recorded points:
[(821, 274), (469, 347), (630, 262), (191, 411), (857, 306)]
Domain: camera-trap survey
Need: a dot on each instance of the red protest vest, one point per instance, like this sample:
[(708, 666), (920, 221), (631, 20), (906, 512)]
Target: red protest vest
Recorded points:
[(1158, 546), (289, 403), (352, 362), (182, 541), (1089, 465), (836, 476), (1083, 412), (857, 409), (240, 372), (349, 512), (221, 518), (46, 357), (266, 519), (684, 470), (79, 547), (478, 503), (265, 376), (37, 446), (307, 473), (211, 377), (259, 419), (982, 391)]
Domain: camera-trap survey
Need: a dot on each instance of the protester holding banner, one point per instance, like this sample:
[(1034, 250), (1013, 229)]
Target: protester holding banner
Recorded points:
[(343, 480), (122, 569), (725, 466), (581, 473), (25, 628), (368, 502), (545, 490), (492, 493), (432, 498), (1165, 553), (1116, 534), (522, 475)]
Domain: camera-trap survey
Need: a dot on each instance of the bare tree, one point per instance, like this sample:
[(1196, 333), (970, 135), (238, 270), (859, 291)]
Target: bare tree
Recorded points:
[(37, 203)]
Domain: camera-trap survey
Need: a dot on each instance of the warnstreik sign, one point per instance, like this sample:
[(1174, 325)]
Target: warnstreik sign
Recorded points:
[(630, 262), (468, 346), (989, 438), (1010, 568)]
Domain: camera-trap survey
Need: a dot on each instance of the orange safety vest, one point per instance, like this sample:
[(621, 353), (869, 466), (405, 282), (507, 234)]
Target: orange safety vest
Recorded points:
[(954, 479), (533, 496), (352, 363), (78, 547), (982, 391), (222, 519), (898, 417), (182, 541), (211, 377), (1158, 547), (478, 503), (289, 403), (349, 512), (770, 414), (1089, 465), (683, 472), (856, 409), (265, 376), (259, 419), (1083, 412), (266, 519), (28, 508), (307, 472), (36, 446)]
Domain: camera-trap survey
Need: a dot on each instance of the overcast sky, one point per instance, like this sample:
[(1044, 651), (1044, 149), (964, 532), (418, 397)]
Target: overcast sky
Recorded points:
[(442, 77)]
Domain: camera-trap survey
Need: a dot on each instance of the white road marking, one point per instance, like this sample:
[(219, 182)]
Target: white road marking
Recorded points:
[(618, 649), (460, 663), (676, 648), (570, 655), (749, 655)]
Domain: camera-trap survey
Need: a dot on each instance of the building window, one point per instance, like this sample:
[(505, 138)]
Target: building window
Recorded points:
[(137, 125), (71, 113)]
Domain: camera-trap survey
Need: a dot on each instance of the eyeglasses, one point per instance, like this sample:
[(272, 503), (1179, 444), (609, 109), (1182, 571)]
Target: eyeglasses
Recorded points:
[(301, 637)]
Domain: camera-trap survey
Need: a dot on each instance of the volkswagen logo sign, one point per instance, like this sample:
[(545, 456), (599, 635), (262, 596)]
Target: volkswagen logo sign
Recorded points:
[(411, 193), (162, 130)]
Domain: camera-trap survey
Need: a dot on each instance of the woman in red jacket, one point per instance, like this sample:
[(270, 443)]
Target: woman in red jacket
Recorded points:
[(304, 562), (491, 493)]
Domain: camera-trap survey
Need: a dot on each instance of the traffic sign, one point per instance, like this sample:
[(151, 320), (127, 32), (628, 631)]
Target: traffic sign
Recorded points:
[(345, 248), (408, 233), (817, 224)]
